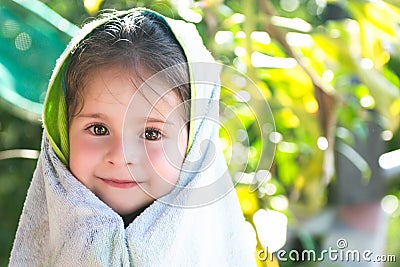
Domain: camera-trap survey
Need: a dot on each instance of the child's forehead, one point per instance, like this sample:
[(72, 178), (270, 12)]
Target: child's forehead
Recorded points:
[(116, 82)]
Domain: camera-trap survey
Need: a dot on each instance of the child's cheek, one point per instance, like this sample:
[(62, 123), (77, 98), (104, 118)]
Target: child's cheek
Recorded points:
[(163, 165), (85, 154), (87, 146)]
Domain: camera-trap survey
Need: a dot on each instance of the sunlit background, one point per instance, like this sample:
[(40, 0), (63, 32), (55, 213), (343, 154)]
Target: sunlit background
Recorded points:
[(326, 163)]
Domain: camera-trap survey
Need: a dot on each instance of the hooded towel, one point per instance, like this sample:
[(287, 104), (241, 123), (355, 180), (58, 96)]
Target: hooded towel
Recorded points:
[(199, 223)]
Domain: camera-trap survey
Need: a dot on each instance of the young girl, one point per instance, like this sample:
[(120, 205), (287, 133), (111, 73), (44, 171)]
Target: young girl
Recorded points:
[(130, 172)]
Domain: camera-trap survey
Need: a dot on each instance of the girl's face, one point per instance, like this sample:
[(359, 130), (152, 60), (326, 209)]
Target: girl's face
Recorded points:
[(127, 159)]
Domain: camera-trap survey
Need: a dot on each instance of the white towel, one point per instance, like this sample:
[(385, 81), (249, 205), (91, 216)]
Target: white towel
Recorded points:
[(199, 223)]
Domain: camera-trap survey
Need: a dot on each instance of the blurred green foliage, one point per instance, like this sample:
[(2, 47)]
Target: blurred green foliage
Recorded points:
[(319, 64), (31, 41)]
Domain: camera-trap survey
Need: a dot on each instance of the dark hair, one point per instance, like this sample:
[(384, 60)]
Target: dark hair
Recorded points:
[(137, 40)]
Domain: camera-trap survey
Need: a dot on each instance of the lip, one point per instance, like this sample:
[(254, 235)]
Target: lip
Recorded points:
[(119, 183)]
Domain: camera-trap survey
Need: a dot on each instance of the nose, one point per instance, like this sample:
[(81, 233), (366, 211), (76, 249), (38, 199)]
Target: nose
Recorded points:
[(119, 155)]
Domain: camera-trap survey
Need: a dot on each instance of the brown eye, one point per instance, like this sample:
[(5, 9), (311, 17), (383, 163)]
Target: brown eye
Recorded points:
[(99, 130), (152, 135)]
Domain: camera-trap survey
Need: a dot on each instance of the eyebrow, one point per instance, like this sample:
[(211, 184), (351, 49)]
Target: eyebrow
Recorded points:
[(155, 120), (104, 116), (92, 115)]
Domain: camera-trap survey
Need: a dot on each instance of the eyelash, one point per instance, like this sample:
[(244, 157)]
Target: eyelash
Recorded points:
[(159, 133), (91, 128)]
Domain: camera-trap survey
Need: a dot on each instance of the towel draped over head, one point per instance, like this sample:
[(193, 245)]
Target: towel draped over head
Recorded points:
[(199, 223)]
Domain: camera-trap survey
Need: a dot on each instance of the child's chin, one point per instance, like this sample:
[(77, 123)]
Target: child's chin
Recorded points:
[(126, 211)]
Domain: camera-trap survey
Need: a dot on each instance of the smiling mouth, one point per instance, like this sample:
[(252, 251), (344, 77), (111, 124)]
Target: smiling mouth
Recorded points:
[(119, 183)]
